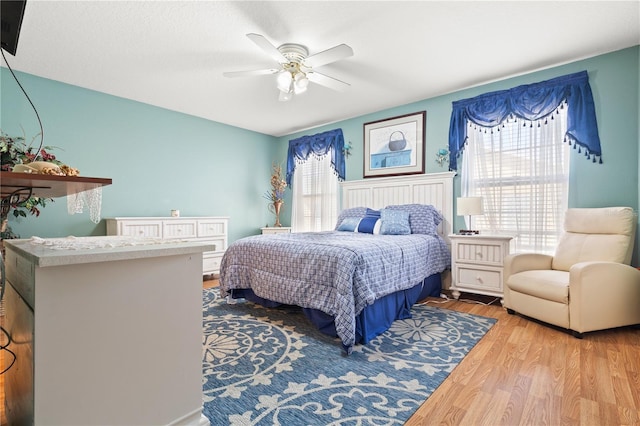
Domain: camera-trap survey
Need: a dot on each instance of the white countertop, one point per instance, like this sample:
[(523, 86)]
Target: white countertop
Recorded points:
[(45, 252)]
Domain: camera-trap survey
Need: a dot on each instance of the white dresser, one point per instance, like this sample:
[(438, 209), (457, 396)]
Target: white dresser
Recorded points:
[(477, 263), (211, 230)]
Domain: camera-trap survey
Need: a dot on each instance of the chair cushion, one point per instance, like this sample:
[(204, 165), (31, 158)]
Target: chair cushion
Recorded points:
[(605, 220), (574, 248), (543, 284), (604, 234)]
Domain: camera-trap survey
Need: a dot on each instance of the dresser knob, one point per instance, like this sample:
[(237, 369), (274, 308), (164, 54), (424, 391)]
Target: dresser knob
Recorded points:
[(479, 279)]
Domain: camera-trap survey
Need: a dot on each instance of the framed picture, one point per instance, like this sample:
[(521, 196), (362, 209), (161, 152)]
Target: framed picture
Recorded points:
[(395, 146)]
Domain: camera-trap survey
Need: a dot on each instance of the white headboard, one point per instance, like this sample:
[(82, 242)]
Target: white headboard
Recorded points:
[(434, 188)]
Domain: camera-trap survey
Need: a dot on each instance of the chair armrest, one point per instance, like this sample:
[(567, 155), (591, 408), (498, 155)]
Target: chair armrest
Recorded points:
[(519, 262), (603, 295)]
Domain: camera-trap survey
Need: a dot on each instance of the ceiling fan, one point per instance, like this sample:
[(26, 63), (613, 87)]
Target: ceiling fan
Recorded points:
[(296, 66)]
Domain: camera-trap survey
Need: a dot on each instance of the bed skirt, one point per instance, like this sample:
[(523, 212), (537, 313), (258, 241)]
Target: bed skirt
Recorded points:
[(374, 319)]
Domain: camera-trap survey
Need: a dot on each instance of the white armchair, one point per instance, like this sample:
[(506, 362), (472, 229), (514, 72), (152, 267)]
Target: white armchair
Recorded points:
[(588, 284)]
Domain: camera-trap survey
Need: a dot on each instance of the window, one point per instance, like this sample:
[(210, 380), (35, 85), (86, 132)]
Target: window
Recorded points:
[(521, 169), (315, 195)]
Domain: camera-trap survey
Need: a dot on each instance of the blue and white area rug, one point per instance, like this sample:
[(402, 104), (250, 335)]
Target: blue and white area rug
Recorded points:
[(272, 367)]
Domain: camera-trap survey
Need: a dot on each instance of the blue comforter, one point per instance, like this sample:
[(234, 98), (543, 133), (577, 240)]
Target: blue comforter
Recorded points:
[(336, 272)]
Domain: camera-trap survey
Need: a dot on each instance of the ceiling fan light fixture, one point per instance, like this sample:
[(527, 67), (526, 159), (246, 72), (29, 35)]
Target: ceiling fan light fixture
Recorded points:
[(284, 81), (300, 83)]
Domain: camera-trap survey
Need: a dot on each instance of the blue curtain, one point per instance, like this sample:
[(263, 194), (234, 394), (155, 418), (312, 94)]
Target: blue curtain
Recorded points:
[(531, 102), (321, 144)]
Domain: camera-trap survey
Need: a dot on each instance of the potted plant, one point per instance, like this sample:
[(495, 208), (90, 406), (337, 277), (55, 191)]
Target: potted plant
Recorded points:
[(15, 151)]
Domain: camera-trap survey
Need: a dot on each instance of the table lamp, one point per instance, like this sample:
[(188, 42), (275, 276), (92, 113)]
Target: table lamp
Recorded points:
[(469, 206)]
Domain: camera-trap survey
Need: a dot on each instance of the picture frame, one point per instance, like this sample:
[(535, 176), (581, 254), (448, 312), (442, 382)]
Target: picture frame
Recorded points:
[(395, 146)]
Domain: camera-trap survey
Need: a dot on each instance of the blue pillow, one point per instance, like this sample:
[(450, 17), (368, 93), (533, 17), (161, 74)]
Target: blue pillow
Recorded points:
[(357, 212), (369, 225), (394, 222), (349, 224), (372, 213), (423, 218)]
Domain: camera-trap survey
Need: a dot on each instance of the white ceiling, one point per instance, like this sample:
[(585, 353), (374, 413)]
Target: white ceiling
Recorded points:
[(172, 53)]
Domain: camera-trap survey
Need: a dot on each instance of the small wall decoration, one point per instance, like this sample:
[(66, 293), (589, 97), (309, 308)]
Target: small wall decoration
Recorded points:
[(395, 146), (442, 156), (346, 150)]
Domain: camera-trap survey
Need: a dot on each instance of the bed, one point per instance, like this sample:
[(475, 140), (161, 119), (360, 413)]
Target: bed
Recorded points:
[(354, 281)]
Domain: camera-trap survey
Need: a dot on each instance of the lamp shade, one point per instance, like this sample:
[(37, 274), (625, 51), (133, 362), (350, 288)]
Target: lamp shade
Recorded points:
[(470, 206)]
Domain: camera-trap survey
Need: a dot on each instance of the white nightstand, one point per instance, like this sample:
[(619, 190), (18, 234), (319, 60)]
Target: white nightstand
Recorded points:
[(477, 262), (276, 230)]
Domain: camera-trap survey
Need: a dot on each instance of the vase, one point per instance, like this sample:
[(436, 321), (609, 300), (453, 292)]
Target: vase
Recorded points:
[(277, 205)]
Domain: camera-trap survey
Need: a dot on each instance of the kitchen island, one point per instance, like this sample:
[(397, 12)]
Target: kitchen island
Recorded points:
[(106, 330)]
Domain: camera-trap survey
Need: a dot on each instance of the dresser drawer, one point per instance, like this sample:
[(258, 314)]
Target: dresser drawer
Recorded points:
[(219, 243), (211, 263), (480, 253), (479, 278), (150, 229), (181, 229), (211, 228), (276, 230)]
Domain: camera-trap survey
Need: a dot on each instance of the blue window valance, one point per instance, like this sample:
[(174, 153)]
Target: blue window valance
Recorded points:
[(531, 102), (321, 144)]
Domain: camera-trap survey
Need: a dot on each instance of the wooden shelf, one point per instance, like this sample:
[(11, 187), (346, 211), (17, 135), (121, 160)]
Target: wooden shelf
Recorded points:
[(48, 186)]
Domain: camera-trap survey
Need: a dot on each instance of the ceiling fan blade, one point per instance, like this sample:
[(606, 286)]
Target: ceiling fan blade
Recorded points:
[(250, 73), (336, 53), (267, 47), (325, 80)]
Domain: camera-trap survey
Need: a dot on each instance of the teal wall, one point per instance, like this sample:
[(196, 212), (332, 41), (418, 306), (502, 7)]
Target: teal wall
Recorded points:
[(158, 159), (161, 160), (614, 80)]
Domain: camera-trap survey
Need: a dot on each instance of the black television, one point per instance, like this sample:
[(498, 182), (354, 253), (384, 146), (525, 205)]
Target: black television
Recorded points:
[(11, 14)]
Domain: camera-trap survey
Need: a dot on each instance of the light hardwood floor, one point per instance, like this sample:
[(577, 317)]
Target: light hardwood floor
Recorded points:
[(526, 373)]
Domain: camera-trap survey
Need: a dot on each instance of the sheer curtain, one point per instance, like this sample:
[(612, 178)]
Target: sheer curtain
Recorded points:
[(315, 195), (521, 169)]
